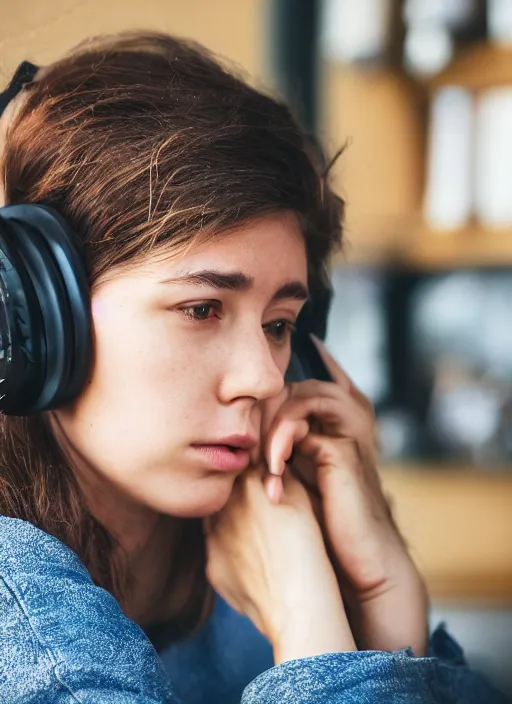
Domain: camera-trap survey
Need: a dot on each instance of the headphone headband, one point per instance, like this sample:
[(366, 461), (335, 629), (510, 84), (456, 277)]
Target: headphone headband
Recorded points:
[(25, 73)]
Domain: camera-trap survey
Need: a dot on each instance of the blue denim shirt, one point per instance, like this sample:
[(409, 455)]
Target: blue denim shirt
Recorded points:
[(64, 640)]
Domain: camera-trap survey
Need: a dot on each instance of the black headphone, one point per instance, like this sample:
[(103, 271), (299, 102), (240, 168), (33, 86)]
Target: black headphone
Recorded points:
[(45, 324), (45, 320)]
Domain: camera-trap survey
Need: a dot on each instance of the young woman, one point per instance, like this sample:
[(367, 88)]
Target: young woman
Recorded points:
[(148, 429)]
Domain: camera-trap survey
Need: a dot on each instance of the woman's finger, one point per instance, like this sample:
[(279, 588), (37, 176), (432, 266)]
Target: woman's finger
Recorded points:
[(274, 488), (358, 417), (355, 420), (312, 387), (335, 458), (281, 439), (338, 416)]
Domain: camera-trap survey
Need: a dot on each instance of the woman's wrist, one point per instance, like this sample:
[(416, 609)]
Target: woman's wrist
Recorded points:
[(395, 617), (315, 626), (309, 633)]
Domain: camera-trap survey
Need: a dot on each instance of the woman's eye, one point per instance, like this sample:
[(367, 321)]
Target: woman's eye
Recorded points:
[(280, 330), (201, 311)]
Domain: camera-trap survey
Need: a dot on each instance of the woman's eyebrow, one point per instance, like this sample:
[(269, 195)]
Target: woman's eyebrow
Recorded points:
[(237, 281)]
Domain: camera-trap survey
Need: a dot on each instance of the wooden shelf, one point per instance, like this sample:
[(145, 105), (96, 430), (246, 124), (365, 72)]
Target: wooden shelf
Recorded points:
[(419, 247), (477, 68), (458, 524), (471, 246)]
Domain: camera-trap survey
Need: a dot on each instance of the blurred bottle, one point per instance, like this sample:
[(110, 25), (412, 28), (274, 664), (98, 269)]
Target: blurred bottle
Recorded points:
[(493, 158), (499, 20), (434, 29), (448, 199), (364, 32)]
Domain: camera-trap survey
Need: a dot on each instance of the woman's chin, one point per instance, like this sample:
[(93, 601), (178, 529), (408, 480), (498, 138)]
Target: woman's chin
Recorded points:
[(204, 498)]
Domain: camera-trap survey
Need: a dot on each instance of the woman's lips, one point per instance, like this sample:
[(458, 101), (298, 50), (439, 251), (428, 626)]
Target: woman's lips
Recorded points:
[(224, 459)]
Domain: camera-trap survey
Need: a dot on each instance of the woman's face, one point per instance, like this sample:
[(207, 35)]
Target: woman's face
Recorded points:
[(187, 350)]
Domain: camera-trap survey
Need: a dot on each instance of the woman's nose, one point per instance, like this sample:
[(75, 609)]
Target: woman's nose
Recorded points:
[(251, 371)]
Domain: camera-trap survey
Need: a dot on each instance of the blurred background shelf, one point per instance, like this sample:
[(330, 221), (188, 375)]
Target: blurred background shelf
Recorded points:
[(412, 245), (477, 67), (469, 246), (458, 525)]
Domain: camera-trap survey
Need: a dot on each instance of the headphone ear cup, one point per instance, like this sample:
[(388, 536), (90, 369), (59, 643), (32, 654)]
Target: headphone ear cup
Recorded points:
[(63, 244), (44, 254), (22, 347)]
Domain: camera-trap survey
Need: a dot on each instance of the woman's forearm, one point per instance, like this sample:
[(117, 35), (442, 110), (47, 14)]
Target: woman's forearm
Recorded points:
[(314, 631)]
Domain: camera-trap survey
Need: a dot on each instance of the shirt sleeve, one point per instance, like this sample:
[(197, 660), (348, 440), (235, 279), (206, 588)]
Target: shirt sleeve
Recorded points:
[(374, 676), (62, 638)]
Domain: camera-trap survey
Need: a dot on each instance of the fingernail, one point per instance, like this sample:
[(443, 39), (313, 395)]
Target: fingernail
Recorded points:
[(275, 472), (277, 467)]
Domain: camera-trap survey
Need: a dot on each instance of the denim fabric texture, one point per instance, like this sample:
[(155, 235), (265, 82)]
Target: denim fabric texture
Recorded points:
[(217, 663), (64, 640)]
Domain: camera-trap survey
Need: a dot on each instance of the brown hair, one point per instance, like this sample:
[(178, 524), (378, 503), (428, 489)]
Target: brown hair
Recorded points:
[(142, 140)]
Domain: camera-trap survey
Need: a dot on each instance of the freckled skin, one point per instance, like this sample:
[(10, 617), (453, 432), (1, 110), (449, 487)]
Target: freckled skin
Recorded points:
[(162, 380)]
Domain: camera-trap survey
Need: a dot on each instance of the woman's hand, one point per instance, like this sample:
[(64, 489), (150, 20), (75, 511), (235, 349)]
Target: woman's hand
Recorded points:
[(270, 563), (330, 427)]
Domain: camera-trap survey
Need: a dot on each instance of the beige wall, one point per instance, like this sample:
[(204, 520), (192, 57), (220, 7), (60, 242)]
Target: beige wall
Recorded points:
[(378, 116), (42, 30)]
